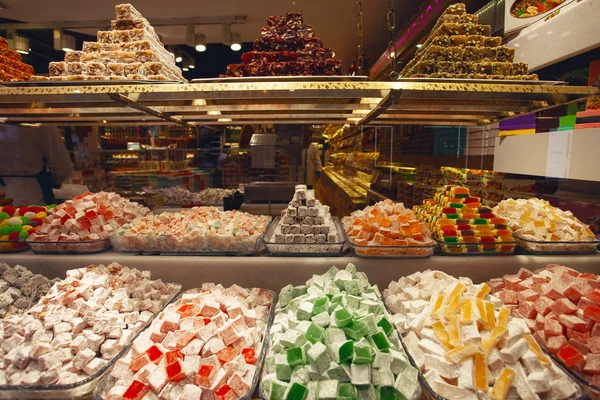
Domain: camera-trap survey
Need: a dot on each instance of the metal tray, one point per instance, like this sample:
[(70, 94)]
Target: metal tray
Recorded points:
[(108, 381), (86, 83), (76, 390), (486, 81), (291, 78), (84, 247), (472, 249), (391, 252), (304, 249), (13, 246), (208, 246), (555, 248)]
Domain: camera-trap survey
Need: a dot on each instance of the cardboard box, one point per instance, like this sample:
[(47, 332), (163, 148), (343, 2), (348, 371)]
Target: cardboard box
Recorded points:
[(513, 23)]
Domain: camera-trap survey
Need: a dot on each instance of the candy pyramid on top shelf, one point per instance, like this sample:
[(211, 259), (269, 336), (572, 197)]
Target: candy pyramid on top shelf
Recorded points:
[(12, 67), (460, 222), (287, 47), (459, 47), (130, 50)]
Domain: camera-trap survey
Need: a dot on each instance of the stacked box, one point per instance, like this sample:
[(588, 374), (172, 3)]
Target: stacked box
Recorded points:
[(12, 67), (455, 217), (481, 140), (130, 50), (306, 221), (287, 47), (459, 47)]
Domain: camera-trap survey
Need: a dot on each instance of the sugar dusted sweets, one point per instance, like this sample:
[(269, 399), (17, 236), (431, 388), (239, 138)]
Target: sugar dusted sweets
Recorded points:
[(467, 344), (79, 327), (388, 229), (540, 227), (197, 230), (84, 223), (206, 345), (305, 227), (333, 339), (462, 225), (562, 309), (20, 289)]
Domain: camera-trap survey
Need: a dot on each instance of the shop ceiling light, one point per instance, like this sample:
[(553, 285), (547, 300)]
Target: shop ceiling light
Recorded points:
[(419, 46), (67, 42), (236, 41), (20, 44), (178, 59), (191, 66), (200, 42)]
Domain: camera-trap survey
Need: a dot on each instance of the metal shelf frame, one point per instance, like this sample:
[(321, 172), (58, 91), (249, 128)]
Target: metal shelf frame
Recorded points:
[(298, 102)]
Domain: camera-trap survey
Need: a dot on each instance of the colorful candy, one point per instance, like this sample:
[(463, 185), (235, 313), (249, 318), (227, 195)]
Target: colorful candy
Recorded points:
[(18, 223)]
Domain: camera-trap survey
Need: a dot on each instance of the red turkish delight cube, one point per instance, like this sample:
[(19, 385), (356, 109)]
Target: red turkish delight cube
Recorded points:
[(592, 364), (227, 354), (508, 297), (577, 290), (594, 344), (563, 306), (91, 214), (512, 282), (553, 328), (543, 305), (136, 391), (573, 322), (173, 356), (540, 279), (579, 346), (527, 310), (249, 355), (592, 312), (524, 273), (527, 295), (154, 353), (203, 377), (570, 356), (139, 362), (555, 343), (583, 337), (175, 372)]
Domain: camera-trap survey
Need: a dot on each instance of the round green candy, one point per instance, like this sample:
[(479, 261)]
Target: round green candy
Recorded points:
[(4, 216), (16, 228), (25, 220), (23, 235), (5, 230), (51, 206)]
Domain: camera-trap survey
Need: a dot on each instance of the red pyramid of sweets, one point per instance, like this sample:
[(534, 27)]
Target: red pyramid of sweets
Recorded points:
[(12, 67), (287, 47)]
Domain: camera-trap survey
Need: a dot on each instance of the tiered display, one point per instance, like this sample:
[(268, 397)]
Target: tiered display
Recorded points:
[(81, 325), (332, 339), (388, 229), (287, 47), (540, 227), (130, 50), (462, 226), (84, 223), (206, 345), (562, 309), (20, 289), (468, 345), (17, 224), (458, 47), (12, 67), (197, 230), (305, 226), (178, 196)]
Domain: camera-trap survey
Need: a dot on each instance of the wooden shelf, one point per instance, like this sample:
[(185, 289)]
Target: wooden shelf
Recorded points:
[(475, 162)]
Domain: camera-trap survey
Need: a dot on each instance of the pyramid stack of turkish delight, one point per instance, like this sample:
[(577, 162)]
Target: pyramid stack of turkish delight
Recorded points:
[(130, 50), (333, 339), (305, 221), (82, 323), (87, 218), (287, 47), (459, 47), (562, 309), (207, 345), (12, 67), (463, 225), (468, 345)]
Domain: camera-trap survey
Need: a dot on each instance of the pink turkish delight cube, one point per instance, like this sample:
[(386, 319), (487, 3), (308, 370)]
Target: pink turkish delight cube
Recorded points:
[(555, 343)]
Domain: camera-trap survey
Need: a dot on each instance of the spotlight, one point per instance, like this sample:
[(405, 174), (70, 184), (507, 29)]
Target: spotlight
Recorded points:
[(67, 43), (178, 59), (236, 41), (185, 69), (419, 46), (200, 42), (20, 44)]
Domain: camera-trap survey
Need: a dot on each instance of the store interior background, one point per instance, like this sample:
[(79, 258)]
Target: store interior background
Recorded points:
[(363, 166)]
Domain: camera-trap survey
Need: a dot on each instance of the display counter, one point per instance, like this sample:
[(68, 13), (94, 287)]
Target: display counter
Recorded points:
[(276, 272)]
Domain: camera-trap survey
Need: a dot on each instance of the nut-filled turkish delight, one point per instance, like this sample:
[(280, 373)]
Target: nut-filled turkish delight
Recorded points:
[(73, 56), (57, 68), (127, 12), (95, 68), (127, 24)]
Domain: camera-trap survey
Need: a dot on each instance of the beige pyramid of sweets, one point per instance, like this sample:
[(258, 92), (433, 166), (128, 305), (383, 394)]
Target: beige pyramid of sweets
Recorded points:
[(459, 47), (130, 50), (287, 47)]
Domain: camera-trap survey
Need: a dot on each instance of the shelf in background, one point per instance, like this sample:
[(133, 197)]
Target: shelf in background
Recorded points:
[(475, 162), (439, 102)]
